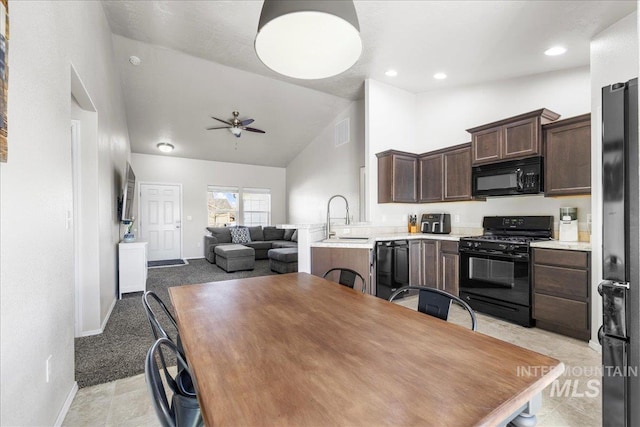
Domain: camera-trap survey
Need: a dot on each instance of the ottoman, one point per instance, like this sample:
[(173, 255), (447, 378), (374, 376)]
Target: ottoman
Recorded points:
[(283, 260), (235, 257)]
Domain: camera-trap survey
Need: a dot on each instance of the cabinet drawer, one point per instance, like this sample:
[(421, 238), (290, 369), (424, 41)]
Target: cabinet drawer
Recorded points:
[(574, 259), (561, 282), (448, 246), (560, 311)]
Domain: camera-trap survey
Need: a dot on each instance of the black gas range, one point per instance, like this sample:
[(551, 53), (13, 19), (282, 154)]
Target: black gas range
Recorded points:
[(495, 273)]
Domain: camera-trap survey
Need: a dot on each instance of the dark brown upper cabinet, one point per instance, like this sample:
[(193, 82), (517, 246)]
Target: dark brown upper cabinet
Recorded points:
[(567, 159), (445, 175), (397, 177), (430, 172), (517, 137)]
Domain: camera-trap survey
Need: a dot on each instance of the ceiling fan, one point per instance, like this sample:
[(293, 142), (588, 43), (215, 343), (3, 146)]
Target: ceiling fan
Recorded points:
[(236, 126)]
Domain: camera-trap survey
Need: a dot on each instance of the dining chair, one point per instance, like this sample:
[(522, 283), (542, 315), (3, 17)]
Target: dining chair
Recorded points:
[(184, 410), (149, 298), (437, 303), (347, 277)]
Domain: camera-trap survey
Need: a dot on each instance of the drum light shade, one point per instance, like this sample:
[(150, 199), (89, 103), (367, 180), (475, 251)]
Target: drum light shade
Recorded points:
[(308, 39)]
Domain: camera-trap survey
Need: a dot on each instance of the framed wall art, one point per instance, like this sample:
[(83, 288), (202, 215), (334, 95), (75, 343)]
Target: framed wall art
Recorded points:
[(4, 77)]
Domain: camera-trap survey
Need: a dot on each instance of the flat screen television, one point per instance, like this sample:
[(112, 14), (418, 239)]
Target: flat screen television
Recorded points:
[(128, 192)]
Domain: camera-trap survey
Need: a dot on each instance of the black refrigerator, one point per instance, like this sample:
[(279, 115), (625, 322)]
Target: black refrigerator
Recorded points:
[(620, 290)]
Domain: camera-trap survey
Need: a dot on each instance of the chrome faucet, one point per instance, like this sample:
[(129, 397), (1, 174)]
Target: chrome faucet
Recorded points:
[(346, 219)]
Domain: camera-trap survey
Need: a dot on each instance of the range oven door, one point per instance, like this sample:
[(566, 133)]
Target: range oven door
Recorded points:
[(498, 276)]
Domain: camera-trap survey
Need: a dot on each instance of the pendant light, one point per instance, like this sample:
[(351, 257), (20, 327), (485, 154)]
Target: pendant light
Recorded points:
[(308, 39)]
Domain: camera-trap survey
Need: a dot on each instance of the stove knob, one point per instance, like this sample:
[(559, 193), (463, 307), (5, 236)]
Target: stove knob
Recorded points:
[(476, 244), (512, 247), (502, 246)]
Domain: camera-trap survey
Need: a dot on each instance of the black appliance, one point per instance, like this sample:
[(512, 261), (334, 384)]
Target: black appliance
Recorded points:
[(494, 268), (392, 267), (508, 178), (438, 223), (620, 290)]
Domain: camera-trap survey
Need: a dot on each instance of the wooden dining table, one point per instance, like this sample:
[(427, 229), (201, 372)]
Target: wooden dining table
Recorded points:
[(298, 350)]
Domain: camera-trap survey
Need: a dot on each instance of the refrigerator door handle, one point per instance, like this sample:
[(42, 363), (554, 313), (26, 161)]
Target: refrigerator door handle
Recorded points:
[(612, 283)]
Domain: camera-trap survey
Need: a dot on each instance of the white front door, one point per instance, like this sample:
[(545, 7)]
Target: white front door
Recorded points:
[(161, 223)]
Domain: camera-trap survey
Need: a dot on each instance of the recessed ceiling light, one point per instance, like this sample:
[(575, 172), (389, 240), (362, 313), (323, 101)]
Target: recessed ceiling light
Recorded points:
[(391, 73), (555, 51), (134, 60), (440, 76), (165, 147)]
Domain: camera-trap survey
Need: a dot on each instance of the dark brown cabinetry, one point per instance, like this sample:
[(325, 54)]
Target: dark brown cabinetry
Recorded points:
[(517, 137), (397, 177), (430, 172), (445, 175), (434, 264), (449, 267), (324, 259), (561, 291), (567, 146)]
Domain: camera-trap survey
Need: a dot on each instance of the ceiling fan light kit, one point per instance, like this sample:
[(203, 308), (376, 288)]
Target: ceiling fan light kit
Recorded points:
[(235, 125), (308, 39)]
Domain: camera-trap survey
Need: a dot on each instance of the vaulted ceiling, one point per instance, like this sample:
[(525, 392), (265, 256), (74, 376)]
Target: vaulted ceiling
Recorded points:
[(198, 61)]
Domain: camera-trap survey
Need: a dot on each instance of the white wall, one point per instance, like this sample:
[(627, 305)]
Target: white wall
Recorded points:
[(322, 170), (36, 246), (195, 176), (437, 119), (614, 58)]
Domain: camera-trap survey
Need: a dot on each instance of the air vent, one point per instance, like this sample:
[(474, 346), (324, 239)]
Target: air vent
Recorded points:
[(342, 132)]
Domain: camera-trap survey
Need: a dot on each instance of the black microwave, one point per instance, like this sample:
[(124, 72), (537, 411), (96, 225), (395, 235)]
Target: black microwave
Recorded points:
[(508, 178)]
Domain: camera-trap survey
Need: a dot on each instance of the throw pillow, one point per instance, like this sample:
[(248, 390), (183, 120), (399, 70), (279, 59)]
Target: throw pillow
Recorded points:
[(288, 233), (294, 238), (256, 233), (272, 233), (240, 235)]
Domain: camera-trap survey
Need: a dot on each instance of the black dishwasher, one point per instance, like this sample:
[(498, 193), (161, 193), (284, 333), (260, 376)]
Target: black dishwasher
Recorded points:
[(392, 267)]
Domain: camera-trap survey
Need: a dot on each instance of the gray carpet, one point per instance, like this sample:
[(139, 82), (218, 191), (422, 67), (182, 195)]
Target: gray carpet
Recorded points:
[(120, 350)]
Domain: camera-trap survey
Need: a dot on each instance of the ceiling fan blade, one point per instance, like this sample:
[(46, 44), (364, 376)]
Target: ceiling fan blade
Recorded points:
[(220, 120), (219, 127), (253, 130), (246, 122)]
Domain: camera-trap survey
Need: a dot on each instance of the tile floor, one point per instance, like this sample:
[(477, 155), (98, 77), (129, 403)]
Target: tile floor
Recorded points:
[(125, 402)]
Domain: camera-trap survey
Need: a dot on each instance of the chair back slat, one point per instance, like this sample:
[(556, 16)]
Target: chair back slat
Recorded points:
[(436, 302), (348, 277)]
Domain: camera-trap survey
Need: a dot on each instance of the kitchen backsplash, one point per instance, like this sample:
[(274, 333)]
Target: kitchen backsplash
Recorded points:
[(467, 216)]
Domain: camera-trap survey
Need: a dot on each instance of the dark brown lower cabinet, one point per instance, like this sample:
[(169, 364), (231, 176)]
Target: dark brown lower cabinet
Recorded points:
[(562, 291), (449, 267), (434, 264), (358, 259)]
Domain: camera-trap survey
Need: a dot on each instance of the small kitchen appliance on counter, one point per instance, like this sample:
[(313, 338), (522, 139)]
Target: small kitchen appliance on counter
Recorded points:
[(568, 229), (436, 223)]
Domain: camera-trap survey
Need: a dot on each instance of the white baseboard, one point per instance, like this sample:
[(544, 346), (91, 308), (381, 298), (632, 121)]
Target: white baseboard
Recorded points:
[(596, 346), (104, 323), (193, 257), (67, 404)]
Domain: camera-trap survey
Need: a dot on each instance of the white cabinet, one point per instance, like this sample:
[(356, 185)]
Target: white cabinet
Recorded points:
[(132, 268)]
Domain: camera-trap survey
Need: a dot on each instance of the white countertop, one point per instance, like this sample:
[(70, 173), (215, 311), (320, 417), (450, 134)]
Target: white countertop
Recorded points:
[(370, 243), (567, 246)]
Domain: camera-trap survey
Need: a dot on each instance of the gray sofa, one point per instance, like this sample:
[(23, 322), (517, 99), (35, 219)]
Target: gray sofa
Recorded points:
[(262, 239)]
